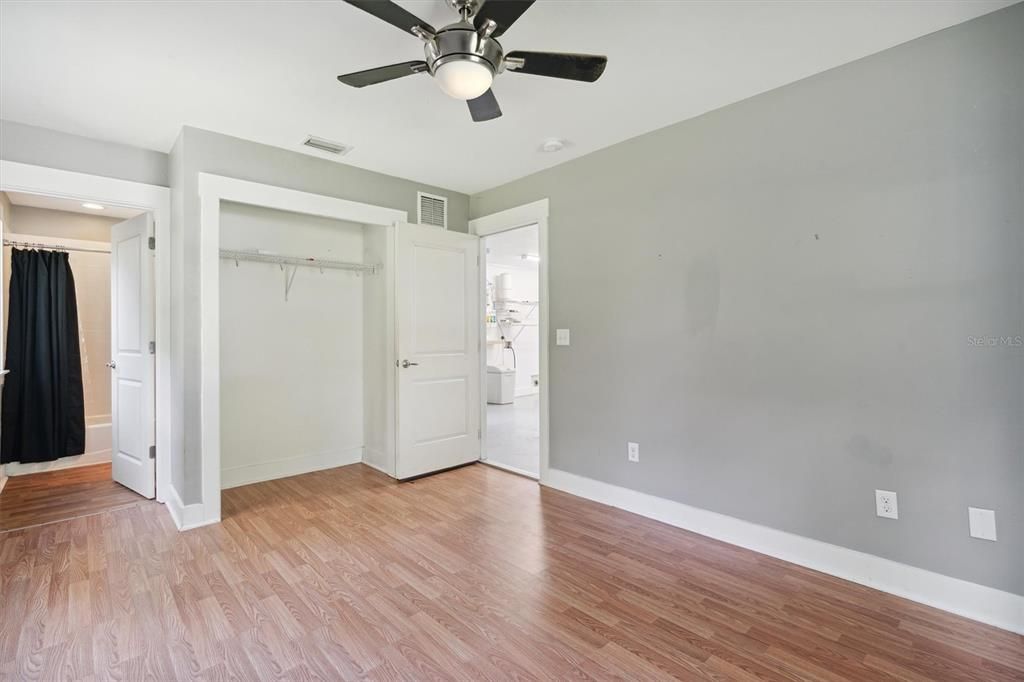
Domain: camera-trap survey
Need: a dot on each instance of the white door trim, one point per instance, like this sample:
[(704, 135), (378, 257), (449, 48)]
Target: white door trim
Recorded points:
[(534, 213), (63, 184), (213, 189)]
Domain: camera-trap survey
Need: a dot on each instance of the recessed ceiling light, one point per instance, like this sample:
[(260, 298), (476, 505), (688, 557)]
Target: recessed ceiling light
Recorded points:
[(91, 206), (552, 145)]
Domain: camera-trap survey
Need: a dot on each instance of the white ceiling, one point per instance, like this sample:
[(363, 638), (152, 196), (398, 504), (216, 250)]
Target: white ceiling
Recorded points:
[(135, 72), (507, 248), (70, 205)]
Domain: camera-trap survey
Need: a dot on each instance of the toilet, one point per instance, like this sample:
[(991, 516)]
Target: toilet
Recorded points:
[(501, 385)]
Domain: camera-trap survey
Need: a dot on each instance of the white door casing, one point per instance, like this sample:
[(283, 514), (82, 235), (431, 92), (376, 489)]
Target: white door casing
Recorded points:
[(132, 393), (438, 335)]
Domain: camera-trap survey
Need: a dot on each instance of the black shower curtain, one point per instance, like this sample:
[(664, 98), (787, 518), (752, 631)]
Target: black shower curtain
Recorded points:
[(43, 413)]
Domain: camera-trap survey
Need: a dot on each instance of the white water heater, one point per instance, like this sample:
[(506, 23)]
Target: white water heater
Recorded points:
[(503, 287)]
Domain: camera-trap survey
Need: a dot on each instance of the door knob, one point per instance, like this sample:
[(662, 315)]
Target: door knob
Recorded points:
[(112, 365), (407, 364)]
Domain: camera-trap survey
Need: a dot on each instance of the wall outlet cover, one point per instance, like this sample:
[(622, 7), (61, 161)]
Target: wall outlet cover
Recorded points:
[(886, 505), (982, 523), (561, 337), (633, 451)]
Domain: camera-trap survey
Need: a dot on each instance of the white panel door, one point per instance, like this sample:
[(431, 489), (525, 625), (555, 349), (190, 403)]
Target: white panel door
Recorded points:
[(438, 332), (132, 396)]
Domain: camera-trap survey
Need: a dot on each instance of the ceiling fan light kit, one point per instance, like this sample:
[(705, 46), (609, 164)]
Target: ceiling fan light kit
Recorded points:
[(465, 57)]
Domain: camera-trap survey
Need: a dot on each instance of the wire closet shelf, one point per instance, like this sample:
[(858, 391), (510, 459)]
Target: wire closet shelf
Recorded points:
[(291, 264), (298, 261)]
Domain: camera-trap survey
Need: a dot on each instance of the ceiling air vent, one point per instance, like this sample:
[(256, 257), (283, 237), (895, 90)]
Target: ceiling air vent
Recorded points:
[(327, 146), (433, 210)]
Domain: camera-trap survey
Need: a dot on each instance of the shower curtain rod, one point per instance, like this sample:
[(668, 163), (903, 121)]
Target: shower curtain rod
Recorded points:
[(52, 247)]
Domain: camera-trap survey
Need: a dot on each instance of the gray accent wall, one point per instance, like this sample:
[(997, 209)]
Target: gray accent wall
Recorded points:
[(200, 151), (810, 294), (53, 149)]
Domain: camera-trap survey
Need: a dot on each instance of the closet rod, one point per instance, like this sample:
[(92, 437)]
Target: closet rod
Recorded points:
[(52, 247), (321, 263)]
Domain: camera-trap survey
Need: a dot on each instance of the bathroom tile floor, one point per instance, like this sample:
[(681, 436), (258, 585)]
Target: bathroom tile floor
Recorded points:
[(513, 435)]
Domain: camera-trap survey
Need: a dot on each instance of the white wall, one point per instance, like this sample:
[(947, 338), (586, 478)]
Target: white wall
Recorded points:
[(379, 351), (291, 372), (525, 287)]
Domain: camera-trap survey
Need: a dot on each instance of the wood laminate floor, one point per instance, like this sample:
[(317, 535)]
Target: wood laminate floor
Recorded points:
[(49, 496), (470, 574)]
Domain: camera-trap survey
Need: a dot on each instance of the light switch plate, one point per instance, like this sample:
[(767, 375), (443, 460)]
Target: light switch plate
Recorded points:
[(633, 451), (982, 523), (561, 337)]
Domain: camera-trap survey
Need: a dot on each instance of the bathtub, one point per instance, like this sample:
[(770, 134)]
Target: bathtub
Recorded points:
[(97, 450)]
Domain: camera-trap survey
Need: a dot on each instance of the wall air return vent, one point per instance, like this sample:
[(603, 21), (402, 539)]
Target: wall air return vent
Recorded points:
[(327, 146), (433, 210)]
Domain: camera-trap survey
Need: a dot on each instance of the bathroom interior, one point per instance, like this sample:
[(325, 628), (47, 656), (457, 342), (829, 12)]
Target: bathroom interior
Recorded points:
[(82, 231), (513, 350)]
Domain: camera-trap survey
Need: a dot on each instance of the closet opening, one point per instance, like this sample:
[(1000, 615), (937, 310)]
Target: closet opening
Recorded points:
[(513, 352), (334, 332), (300, 363), (77, 417)]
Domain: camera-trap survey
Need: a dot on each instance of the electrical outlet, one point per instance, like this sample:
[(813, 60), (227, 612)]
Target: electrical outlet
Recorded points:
[(885, 504), (633, 452), (561, 337)]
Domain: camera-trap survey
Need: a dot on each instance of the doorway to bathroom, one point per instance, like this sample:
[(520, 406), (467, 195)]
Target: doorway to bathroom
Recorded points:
[(78, 359), (513, 349)]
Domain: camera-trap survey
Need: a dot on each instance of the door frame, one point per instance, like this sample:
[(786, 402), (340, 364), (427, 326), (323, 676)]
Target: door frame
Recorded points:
[(213, 189), (154, 199), (534, 213)]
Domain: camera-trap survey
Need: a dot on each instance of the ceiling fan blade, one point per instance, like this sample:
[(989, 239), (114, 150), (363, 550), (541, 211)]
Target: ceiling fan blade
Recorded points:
[(485, 107), (391, 13), (361, 79), (503, 12), (577, 67)]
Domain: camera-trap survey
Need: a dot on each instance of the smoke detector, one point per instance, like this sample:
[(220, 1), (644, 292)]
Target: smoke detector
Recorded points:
[(552, 145)]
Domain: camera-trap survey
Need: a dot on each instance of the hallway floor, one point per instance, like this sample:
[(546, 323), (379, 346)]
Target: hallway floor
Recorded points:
[(513, 435), (49, 496)]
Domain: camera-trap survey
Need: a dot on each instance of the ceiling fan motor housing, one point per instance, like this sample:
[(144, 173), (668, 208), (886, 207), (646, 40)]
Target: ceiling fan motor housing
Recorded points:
[(462, 42)]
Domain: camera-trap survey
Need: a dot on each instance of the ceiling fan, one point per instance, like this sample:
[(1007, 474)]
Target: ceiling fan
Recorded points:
[(464, 57)]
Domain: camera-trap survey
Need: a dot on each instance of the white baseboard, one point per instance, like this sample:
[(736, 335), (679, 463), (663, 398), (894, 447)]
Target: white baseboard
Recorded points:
[(375, 459), (186, 516), (291, 466), (977, 602), (87, 459)]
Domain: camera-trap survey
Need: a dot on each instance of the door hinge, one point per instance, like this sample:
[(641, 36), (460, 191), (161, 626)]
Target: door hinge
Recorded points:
[(152, 452), (152, 347), (152, 243), (479, 434)]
